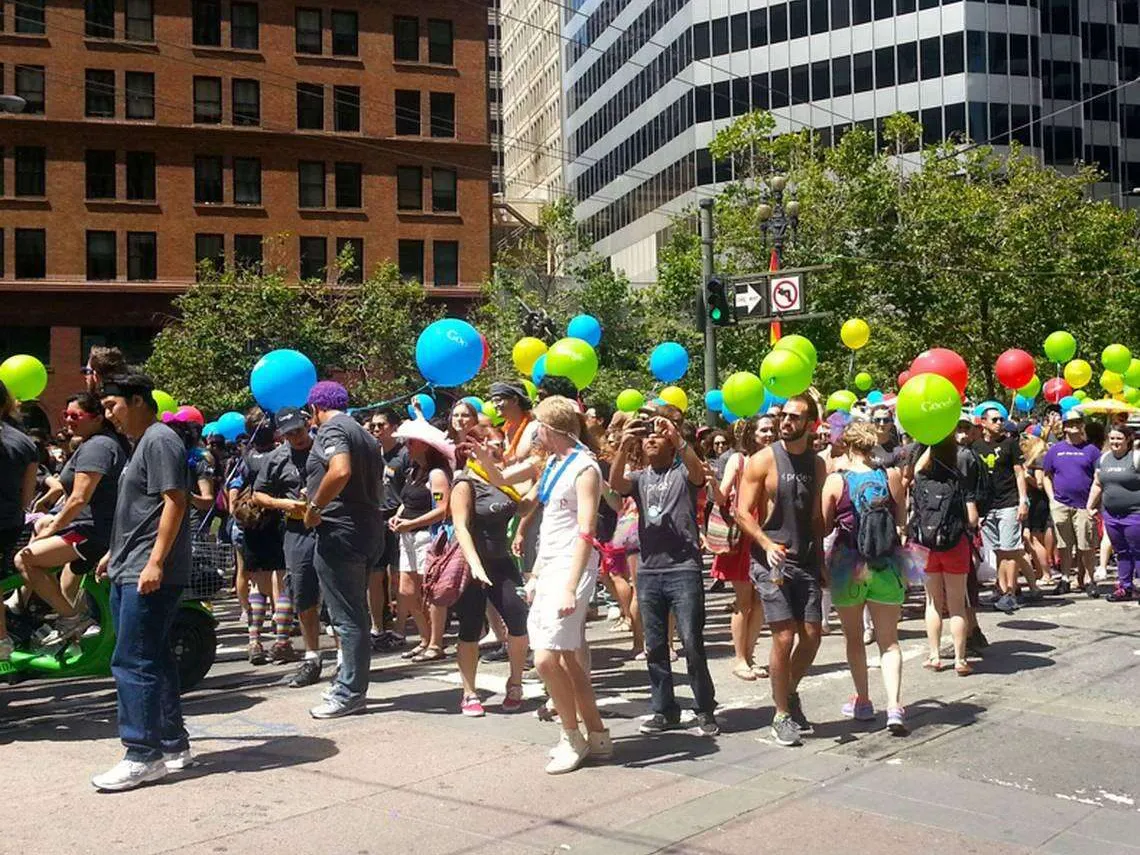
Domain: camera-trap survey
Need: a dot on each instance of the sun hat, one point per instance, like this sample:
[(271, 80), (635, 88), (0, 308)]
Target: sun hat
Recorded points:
[(427, 433)]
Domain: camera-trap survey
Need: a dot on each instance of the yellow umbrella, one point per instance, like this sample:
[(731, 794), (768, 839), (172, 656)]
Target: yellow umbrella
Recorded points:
[(1105, 406)]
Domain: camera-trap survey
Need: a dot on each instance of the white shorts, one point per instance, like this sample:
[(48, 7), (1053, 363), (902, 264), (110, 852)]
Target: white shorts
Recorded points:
[(413, 550), (548, 630)]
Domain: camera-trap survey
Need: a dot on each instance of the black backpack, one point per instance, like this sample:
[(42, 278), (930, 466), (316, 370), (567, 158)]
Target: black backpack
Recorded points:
[(938, 510), (876, 536)]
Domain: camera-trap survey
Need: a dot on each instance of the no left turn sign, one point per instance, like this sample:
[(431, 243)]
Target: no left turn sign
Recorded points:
[(785, 294)]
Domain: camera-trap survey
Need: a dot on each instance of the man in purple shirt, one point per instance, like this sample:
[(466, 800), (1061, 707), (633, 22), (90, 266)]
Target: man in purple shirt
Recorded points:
[(1069, 467)]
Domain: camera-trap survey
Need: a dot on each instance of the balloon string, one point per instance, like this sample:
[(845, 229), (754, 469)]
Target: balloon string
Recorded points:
[(379, 405)]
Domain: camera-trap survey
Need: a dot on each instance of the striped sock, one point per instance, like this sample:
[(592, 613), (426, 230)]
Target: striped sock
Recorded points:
[(256, 616), (283, 618)]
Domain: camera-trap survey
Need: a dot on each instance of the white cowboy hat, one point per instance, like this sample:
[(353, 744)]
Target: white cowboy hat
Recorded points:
[(427, 433)]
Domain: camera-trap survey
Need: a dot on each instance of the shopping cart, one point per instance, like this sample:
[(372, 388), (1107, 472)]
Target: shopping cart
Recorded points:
[(211, 570)]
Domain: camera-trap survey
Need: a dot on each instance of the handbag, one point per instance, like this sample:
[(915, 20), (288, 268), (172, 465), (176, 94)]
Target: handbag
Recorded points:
[(446, 571), (722, 535)]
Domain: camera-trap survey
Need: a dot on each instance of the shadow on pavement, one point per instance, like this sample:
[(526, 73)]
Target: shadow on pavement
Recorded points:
[(643, 752), (1029, 625), (1014, 656)]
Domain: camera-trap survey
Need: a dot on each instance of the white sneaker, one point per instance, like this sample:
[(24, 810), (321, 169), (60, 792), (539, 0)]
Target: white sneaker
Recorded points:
[(179, 760), (569, 753), (128, 774), (601, 746), (6, 648)]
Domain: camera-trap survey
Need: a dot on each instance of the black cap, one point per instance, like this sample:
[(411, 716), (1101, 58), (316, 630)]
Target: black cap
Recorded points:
[(291, 418)]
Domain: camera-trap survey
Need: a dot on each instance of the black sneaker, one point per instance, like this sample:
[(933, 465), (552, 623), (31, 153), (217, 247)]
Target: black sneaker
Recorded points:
[(1064, 587), (1092, 591), (658, 723), (1120, 595), (308, 673), (785, 731), (796, 711), (706, 724), (388, 641), (495, 654), (1032, 595)]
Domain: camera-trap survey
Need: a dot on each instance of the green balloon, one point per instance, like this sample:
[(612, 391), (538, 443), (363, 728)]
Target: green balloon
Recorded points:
[(630, 401), (573, 359), (165, 402), (743, 394), (25, 377), (800, 345), (1116, 357), (1132, 394), (1030, 389), (1080, 394), (928, 408), (1060, 346), (492, 412), (1132, 374), (863, 381), (842, 400), (784, 373)]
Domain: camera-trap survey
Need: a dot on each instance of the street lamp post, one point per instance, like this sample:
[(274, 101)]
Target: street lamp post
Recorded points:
[(778, 217)]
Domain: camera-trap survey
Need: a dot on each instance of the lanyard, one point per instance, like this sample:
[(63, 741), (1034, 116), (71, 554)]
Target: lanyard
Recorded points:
[(544, 490), (512, 448)]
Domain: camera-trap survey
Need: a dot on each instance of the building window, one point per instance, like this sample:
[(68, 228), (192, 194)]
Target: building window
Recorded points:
[(953, 58), (345, 34), (841, 76), (441, 42), (140, 175), (99, 19), (442, 114), (247, 252), (140, 20), (100, 174), (30, 17), (208, 180), (444, 196), (31, 170), (30, 87), (884, 67), (308, 31), (409, 188), (930, 58), (351, 252), (348, 185), (310, 107), (346, 109), (407, 112), (864, 76), (100, 90), (140, 95), (208, 100), (797, 19), (142, 256), (209, 254), (445, 262), (247, 102), (908, 63), (1019, 55), (247, 181), (999, 53), (411, 260), (244, 32), (314, 258), (207, 22), (311, 184), (102, 258), (31, 253), (406, 39)]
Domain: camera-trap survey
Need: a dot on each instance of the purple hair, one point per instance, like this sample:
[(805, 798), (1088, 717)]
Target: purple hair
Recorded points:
[(328, 395)]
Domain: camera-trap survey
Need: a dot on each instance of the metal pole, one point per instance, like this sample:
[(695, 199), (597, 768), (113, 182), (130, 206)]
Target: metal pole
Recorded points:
[(707, 269)]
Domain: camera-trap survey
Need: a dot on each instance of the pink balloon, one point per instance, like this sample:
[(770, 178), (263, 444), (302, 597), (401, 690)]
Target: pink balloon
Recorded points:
[(1014, 368), (944, 362), (168, 417), (186, 413), (903, 377), (1055, 389)]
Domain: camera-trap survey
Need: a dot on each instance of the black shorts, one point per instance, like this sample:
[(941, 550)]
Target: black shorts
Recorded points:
[(799, 597), (88, 545), (263, 550), (1039, 518), (301, 572)]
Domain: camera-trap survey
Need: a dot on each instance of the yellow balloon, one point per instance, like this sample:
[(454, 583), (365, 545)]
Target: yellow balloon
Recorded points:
[(1112, 382), (855, 333), (1078, 373), (526, 352), (676, 396)]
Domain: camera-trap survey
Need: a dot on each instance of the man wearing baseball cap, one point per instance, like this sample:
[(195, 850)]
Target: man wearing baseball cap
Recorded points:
[(1069, 467)]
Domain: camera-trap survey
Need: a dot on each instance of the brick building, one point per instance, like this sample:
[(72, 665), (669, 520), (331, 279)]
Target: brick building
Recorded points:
[(160, 133)]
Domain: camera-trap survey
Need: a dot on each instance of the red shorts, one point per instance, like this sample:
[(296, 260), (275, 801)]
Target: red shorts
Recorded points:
[(955, 560), (733, 566)]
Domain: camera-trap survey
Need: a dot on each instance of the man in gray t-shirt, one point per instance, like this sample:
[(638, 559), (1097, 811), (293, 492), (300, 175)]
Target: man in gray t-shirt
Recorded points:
[(149, 564)]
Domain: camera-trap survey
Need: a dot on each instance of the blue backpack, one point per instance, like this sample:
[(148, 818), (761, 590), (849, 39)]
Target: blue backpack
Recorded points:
[(876, 536)]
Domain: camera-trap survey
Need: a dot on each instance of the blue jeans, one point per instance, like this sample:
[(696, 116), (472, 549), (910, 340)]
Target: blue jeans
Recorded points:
[(146, 672), (682, 593), (343, 576)]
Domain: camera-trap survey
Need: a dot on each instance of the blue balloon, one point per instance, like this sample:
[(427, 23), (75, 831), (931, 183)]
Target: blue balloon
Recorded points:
[(585, 327), (211, 429), (729, 415), (539, 370), (1024, 404), (669, 362), (231, 425), (874, 397), (449, 352), (770, 401), (714, 400), (427, 406), (991, 405), (282, 378), (1068, 402), (475, 402)]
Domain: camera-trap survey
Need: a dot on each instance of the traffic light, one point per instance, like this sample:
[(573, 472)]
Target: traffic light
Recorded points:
[(719, 308)]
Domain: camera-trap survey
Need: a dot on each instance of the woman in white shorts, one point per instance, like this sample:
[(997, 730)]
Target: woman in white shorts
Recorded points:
[(423, 507)]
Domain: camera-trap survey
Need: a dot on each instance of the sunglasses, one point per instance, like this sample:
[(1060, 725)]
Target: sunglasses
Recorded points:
[(795, 417), (995, 420), (882, 420)]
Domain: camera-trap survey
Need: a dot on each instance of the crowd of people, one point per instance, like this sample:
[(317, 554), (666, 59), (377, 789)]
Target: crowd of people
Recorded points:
[(335, 515)]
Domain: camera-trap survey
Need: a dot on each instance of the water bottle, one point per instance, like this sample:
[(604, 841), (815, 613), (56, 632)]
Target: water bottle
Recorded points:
[(776, 569)]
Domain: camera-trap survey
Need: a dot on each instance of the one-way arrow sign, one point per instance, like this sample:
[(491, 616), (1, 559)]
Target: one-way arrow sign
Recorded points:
[(751, 298)]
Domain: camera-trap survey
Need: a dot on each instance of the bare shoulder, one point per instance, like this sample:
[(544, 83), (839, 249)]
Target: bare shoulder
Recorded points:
[(759, 463)]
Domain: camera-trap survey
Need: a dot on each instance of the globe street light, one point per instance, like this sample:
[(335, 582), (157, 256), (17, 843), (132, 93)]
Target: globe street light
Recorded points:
[(778, 217)]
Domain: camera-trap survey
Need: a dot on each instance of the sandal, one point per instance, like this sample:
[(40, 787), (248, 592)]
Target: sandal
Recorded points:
[(414, 652), (429, 654), (744, 671), (963, 668), (513, 700), (546, 712), (760, 671), (932, 664)]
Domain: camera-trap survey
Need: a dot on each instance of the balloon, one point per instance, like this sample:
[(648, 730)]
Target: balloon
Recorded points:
[(800, 345), (526, 352), (928, 407), (1078, 373), (427, 406), (785, 373), (25, 376), (1060, 346), (714, 400), (1024, 403), (531, 389), (991, 405), (449, 352), (486, 352), (771, 400), (186, 413), (167, 417), (675, 396), (1030, 389), (630, 401), (1132, 373), (282, 378), (475, 402), (863, 381), (903, 377), (1116, 358), (492, 412), (1080, 394), (1055, 389), (669, 362), (843, 401), (1014, 368), (1110, 381), (944, 362), (211, 429), (875, 397), (165, 401), (855, 333), (539, 371), (585, 327), (573, 359), (231, 425), (1069, 402), (1132, 395), (729, 415), (743, 394)]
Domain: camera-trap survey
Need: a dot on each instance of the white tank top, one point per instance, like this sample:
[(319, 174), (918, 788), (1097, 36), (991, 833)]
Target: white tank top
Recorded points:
[(558, 532)]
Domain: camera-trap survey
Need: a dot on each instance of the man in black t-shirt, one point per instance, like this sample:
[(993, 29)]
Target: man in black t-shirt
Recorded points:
[(384, 580), (1001, 526)]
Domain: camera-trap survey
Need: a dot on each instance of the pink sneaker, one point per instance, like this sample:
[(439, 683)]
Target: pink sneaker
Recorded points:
[(472, 706), (513, 701)]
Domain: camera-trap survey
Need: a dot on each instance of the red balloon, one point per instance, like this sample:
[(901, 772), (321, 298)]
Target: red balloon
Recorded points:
[(1055, 389), (486, 352), (944, 362), (903, 377), (1014, 368), (186, 413)]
